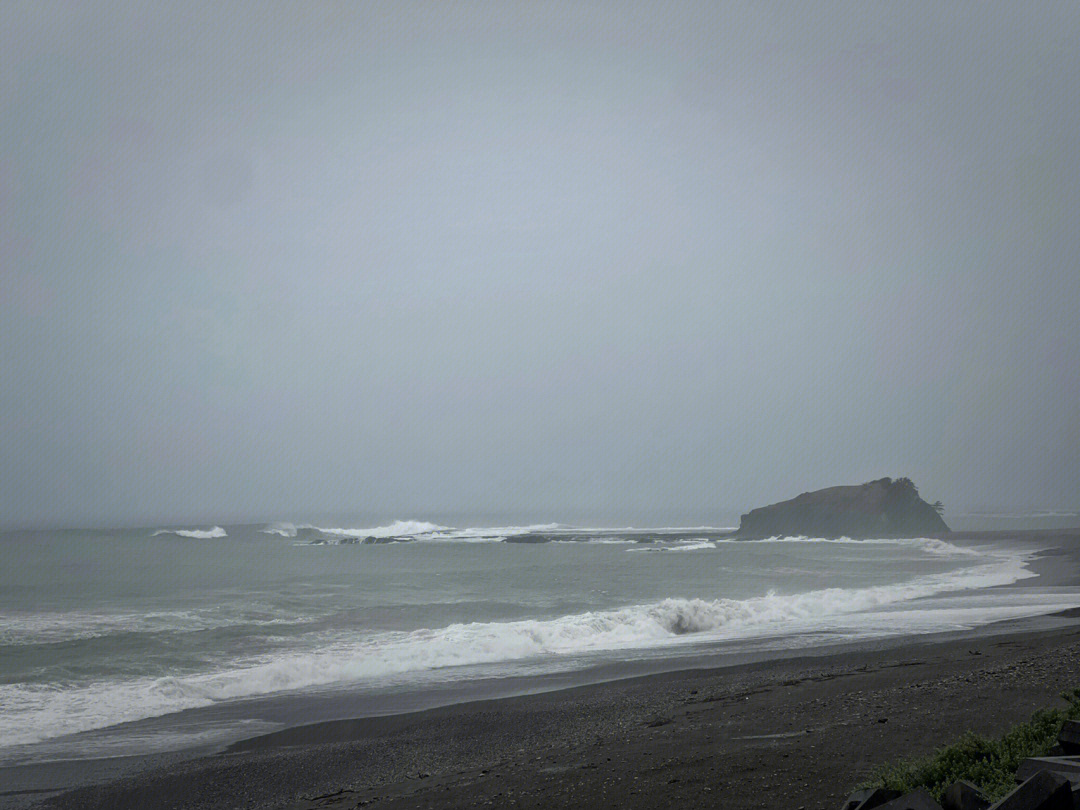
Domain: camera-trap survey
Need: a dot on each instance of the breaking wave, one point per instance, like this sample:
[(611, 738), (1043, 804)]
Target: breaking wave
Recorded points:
[(399, 528), (418, 530), (280, 529), (197, 534), (493, 534), (34, 712)]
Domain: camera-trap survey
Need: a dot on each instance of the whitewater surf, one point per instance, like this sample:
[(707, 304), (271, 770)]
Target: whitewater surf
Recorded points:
[(228, 616)]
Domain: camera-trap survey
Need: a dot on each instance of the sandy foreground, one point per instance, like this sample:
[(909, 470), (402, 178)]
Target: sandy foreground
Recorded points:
[(779, 734)]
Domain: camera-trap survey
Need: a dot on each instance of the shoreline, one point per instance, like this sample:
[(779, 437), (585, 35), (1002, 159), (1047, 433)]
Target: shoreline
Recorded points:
[(799, 731), (505, 750)]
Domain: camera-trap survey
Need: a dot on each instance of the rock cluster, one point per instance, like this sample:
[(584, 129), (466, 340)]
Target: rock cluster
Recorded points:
[(1046, 783), (882, 508)]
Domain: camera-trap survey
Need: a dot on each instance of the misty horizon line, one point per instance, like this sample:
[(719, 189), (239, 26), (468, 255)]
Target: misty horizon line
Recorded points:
[(715, 519)]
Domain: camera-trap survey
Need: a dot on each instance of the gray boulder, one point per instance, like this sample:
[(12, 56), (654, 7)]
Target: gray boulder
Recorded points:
[(918, 799), (1069, 738), (1043, 791), (1067, 767), (964, 796), (870, 798)]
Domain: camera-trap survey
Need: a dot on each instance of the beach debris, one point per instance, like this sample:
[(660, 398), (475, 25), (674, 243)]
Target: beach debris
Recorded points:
[(918, 799), (963, 795), (1043, 791), (869, 798), (1069, 738)]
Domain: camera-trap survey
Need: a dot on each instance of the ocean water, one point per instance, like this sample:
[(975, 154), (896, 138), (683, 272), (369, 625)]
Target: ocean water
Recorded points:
[(120, 642)]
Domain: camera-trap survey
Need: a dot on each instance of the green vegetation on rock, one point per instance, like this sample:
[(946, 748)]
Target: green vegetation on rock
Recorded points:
[(989, 764)]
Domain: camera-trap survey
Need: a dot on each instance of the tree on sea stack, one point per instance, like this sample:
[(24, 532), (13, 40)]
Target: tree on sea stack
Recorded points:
[(881, 508)]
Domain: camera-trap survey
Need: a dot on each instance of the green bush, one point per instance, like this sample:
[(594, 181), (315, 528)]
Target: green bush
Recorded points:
[(990, 764)]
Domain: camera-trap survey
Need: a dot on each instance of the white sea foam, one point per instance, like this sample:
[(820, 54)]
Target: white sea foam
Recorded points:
[(280, 529), (930, 545), (688, 545), (53, 627), (419, 530), (635, 530), (33, 712), (657, 530), (197, 534), (399, 528), (1042, 513), (492, 534)]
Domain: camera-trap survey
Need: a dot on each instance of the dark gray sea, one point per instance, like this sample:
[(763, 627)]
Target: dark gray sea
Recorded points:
[(135, 641)]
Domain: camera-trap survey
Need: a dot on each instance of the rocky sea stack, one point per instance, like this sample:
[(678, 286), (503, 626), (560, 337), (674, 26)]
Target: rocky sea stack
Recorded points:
[(882, 508)]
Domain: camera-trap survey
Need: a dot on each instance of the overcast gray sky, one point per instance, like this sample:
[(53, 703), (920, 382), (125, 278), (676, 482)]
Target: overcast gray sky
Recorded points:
[(596, 260)]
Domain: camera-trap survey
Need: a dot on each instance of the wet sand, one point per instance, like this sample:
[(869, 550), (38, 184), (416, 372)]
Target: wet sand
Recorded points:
[(793, 733)]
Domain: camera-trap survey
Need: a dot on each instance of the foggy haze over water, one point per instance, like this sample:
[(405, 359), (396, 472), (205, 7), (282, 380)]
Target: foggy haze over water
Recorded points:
[(609, 263)]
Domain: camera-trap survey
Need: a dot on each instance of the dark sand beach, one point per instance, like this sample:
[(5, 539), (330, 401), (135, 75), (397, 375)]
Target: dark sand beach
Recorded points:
[(791, 733)]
